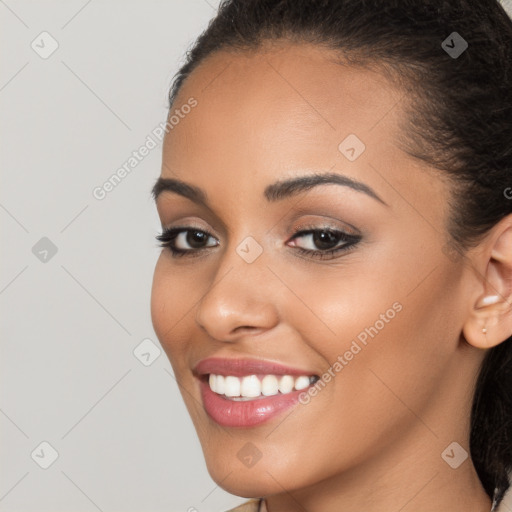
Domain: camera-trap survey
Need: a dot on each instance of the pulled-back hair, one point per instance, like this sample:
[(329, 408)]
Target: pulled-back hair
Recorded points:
[(458, 120)]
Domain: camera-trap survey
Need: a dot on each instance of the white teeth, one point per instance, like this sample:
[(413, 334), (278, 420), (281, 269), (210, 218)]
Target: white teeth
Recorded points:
[(212, 380), (286, 383), (300, 382), (219, 384), (250, 386), (269, 385), (231, 386)]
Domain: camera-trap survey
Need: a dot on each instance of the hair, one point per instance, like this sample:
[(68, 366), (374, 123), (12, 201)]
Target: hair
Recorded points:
[(458, 121)]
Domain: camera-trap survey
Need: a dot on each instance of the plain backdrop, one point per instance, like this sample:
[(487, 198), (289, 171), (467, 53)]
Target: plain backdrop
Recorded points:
[(90, 415)]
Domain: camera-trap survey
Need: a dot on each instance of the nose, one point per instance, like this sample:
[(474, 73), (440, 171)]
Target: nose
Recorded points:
[(240, 300)]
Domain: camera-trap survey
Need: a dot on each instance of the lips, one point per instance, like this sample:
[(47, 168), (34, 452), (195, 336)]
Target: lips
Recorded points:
[(239, 408), (241, 367)]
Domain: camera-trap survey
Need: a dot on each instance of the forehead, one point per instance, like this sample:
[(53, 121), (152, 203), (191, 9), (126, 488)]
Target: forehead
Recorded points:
[(290, 99), (277, 69), (262, 116)]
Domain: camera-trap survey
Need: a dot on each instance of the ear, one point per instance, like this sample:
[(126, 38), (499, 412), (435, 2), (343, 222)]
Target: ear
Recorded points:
[(490, 318)]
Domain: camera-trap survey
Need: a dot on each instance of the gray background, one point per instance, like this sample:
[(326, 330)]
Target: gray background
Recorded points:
[(72, 320)]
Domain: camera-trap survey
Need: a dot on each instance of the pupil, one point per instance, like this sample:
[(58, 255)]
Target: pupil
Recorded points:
[(325, 239), (196, 238)]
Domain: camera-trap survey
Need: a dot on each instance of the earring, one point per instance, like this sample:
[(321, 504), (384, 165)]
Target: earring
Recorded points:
[(484, 330)]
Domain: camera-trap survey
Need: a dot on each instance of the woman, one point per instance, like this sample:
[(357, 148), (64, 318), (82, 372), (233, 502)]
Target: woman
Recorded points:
[(334, 289)]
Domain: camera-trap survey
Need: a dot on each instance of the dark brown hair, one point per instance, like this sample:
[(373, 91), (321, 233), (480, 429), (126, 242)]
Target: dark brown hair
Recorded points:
[(459, 121)]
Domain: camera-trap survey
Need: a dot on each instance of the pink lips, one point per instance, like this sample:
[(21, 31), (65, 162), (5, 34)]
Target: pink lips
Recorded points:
[(241, 367), (231, 413)]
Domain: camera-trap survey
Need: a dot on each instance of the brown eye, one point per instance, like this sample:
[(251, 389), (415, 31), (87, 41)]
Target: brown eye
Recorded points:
[(324, 243), (195, 239), (181, 241), (325, 239)]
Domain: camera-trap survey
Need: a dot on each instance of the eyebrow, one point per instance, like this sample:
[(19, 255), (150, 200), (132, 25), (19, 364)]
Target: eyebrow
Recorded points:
[(275, 192)]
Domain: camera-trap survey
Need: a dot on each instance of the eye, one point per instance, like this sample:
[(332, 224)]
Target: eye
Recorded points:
[(324, 243), (184, 240)]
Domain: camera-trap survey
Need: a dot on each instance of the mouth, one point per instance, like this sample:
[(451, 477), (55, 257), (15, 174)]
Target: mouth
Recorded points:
[(254, 387), (248, 392)]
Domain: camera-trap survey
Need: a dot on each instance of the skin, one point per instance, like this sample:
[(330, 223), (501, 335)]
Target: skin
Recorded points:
[(372, 438)]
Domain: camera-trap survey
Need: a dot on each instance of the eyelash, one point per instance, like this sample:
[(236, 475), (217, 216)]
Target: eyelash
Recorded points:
[(167, 237)]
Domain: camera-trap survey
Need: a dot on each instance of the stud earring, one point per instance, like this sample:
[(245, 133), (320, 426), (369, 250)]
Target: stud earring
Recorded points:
[(484, 330)]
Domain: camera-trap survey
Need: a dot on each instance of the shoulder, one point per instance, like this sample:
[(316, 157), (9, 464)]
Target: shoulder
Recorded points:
[(252, 505)]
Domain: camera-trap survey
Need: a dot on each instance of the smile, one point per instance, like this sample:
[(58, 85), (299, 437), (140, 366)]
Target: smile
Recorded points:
[(255, 386), (249, 392)]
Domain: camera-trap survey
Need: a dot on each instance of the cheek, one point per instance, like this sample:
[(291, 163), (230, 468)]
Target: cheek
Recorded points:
[(331, 307), (394, 358), (159, 301), (382, 345), (170, 304)]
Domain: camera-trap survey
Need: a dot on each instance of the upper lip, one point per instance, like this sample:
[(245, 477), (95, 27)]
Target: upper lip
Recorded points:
[(243, 366)]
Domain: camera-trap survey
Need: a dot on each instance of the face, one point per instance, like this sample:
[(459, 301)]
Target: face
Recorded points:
[(345, 280)]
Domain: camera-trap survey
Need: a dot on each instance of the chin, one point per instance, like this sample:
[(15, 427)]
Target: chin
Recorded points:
[(247, 487), (252, 482)]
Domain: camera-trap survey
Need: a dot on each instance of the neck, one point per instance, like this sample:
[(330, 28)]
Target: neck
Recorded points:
[(412, 480), (406, 473)]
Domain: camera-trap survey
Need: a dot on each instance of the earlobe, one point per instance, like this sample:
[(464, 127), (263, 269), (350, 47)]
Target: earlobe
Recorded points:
[(490, 318), (490, 322)]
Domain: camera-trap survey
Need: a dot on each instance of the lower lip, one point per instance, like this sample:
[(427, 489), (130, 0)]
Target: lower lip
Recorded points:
[(248, 413)]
